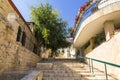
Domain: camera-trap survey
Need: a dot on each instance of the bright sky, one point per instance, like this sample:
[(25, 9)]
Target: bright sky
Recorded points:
[(67, 8)]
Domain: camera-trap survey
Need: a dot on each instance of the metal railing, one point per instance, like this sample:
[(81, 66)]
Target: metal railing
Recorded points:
[(91, 66), (105, 3), (92, 9), (86, 14)]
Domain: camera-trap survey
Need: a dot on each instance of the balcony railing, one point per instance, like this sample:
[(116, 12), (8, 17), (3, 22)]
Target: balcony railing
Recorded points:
[(95, 6), (87, 13), (104, 3)]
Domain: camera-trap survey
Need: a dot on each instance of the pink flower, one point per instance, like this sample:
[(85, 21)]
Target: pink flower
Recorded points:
[(82, 8), (76, 19)]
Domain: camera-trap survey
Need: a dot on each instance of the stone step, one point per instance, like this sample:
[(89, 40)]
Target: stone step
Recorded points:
[(55, 71), (62, 78), (61, 75), (77, 77), (66, 70)]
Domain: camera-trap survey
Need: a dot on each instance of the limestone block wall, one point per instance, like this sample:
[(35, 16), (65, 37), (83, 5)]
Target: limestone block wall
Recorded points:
[(26, 58), (108, 51), (15, 57), (46, 53), (7, 11)]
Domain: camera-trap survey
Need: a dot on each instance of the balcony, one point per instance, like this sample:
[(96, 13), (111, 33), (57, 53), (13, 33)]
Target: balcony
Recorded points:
[(93, 19)]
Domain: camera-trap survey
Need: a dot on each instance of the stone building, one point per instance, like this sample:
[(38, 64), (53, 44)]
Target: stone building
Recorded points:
[(18, 47)]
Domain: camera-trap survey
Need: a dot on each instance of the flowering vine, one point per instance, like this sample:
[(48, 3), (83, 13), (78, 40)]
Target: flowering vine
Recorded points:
[(82, 8)]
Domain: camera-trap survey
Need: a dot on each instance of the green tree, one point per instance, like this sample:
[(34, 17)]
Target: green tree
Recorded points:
[(50, 29)]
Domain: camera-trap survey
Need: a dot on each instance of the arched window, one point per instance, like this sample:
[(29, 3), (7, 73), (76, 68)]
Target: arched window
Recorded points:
[(23, 38), (19, 34)]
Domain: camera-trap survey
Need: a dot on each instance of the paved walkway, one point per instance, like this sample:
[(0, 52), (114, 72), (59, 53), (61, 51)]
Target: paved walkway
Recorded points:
[(62, 69), (71, 70)]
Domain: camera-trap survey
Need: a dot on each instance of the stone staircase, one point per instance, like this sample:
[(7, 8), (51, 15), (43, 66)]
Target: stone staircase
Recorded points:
[(70, 69), (58, 69)]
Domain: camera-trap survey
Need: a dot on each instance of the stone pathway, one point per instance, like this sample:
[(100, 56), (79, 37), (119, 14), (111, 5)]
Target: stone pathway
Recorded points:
[(61, 69), (71, 70)]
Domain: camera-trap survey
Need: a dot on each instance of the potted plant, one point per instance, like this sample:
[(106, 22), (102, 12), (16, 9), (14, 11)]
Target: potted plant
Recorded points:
[(76, 19)]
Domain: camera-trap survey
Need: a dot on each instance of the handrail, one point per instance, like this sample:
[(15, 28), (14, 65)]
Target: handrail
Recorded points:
[(90, 62), (112, 64)]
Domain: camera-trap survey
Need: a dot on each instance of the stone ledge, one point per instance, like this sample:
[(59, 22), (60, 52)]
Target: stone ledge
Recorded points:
[(44, 66), (34, 75)]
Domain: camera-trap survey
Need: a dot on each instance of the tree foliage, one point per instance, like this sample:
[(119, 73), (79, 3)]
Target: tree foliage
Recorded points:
[(50, 29)]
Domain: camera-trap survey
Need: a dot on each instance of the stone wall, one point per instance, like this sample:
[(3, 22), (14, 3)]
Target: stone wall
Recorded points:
[(46, 53), (13, 16), (108, 51), (15, 57)]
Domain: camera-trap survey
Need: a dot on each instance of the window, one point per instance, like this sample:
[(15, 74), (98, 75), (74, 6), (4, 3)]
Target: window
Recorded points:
[(30, 43), (19, 34), (35, 49), (23, 38), (36, 34)]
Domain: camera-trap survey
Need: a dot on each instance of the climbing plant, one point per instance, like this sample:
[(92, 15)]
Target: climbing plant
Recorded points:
[(99, 38)]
